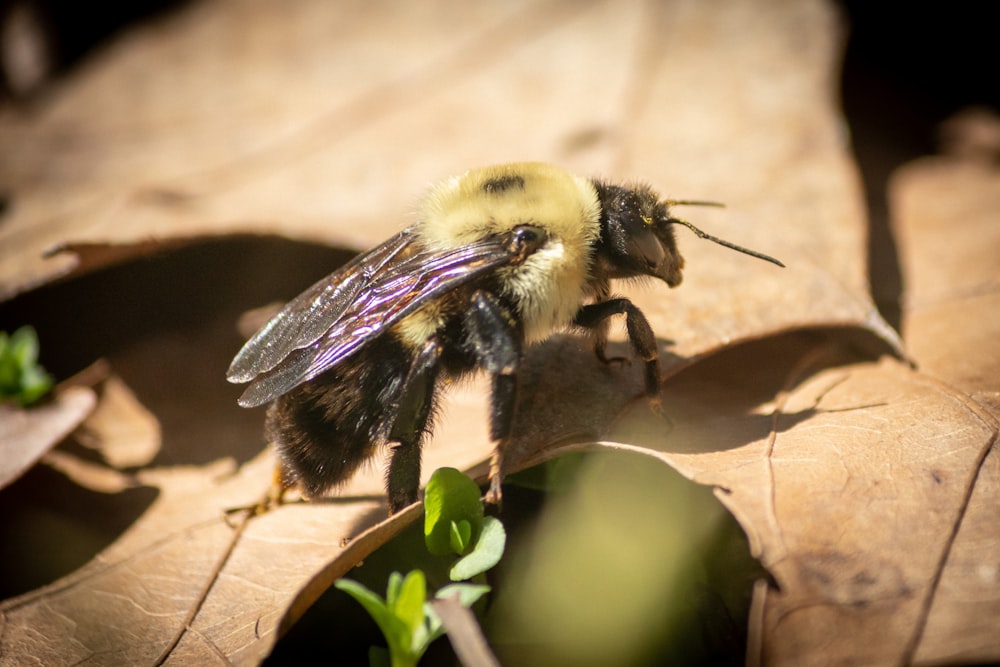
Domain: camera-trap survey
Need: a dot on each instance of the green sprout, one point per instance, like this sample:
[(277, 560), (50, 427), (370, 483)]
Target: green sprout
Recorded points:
[(454, 525), (404, 615), (21, 378)]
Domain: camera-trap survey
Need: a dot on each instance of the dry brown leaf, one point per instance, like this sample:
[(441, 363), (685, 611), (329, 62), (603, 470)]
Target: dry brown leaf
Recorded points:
[(206, 148), (945, 218), (238, 118), (848, 493), (125, 433), (869, 491), (945, 214), (26, 434)]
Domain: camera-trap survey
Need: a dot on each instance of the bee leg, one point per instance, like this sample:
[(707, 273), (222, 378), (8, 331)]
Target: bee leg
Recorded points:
[(599, 329), (495, 340), (274, 497), (640, 334), (600, 334), (503, 400), (276, 491), (409, 425)]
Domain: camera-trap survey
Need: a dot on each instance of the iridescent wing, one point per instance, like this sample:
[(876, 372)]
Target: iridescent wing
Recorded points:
[(341, 313), (304, 319)]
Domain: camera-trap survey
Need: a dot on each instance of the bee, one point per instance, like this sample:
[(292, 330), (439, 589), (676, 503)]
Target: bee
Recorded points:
[(499, 258)]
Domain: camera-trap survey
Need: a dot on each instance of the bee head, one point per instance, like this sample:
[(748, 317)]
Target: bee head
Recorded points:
[(637, 234)]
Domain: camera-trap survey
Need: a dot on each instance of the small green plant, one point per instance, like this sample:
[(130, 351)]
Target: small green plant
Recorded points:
[(404, 616), (454, 525), (21, 378)]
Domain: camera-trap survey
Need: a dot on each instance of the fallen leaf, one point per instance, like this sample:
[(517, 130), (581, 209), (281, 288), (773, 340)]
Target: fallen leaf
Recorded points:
[(868, 490), (291, 176), (324, 123), (849, 497), (124, 432), (945, 217), (946, 221), (26, 434)]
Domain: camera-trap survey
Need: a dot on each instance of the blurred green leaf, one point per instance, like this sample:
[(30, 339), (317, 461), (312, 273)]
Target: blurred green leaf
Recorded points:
[(408, 607), (21, 378), (388, 623), (397, 631)]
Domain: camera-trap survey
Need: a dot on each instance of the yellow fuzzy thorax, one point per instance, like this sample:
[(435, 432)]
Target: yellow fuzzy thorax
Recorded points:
[(550, 285)]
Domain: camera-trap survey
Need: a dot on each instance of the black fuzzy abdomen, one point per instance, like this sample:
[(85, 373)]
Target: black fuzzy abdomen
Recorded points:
[(326, 428)]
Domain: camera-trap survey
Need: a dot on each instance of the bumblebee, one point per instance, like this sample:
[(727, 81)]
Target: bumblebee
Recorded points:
[(499, 258)]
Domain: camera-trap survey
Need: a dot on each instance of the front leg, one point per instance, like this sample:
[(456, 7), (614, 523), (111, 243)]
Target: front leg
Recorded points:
[(594, 316), (599, 329), (495, 339)]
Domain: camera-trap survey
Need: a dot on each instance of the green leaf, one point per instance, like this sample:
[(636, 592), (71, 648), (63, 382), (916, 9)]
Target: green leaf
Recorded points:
[(392, 588), (408, 607), (35, 383), (397, 633), (21, 378), (487, 552), (371, 601), (451, 497), (460, 536), (24, 346)]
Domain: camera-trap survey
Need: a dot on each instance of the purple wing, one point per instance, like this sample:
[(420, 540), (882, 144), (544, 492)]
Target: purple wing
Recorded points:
[(308, 316), (341, 313)]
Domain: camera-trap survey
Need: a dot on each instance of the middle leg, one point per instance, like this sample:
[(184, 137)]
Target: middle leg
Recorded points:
[(495, 340), (409, 425)]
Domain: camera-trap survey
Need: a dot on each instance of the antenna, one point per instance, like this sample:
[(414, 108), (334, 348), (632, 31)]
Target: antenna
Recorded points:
[(715, 239)]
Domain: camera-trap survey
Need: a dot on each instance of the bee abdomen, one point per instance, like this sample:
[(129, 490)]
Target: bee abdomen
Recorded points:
[(325, 429)]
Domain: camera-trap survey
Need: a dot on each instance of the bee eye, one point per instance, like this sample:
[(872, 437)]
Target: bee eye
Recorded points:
[(529, 236), (525, 240), (645, 246)]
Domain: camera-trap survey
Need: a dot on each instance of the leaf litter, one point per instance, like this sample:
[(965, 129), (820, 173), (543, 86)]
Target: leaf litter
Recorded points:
[(864, 487)]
